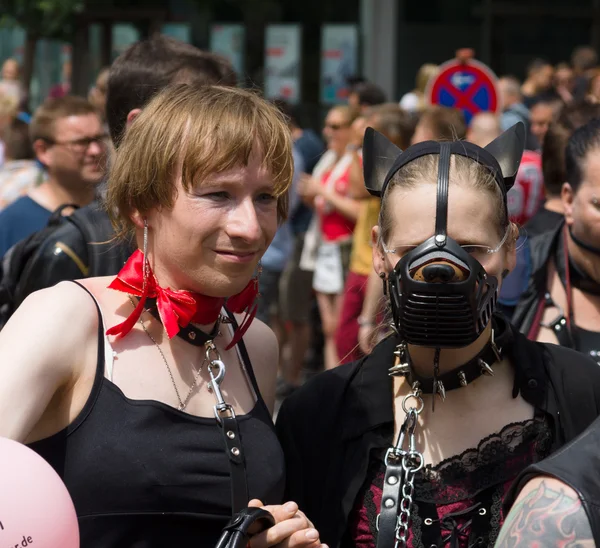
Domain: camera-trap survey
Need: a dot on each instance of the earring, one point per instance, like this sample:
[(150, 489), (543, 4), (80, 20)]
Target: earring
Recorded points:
[(505, 273), (384, 282), (145, 252)]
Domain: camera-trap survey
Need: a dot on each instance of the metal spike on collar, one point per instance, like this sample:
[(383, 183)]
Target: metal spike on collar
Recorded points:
[(441, 390), (394, 328), (462, 378), (399, 369), (485, 368)]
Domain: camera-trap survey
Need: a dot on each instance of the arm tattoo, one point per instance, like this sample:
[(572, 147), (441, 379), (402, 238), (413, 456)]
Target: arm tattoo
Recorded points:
[(546, 517)]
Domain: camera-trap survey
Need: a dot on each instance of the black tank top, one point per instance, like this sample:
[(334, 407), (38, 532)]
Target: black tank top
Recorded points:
[(145, 475)]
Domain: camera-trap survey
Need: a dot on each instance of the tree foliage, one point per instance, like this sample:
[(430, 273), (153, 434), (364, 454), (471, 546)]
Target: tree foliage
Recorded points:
[(42, 18)]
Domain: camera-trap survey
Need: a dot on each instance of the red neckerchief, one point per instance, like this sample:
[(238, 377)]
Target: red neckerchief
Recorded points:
[(178, 308)]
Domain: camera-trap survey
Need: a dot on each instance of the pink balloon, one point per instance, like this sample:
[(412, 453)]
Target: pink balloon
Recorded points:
[(35, 507)]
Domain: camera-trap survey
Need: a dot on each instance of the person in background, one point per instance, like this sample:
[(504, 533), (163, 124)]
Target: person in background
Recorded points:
[(572, 117), (436, 124), (296, 293), (64, 88), (278, 253), (557, 499), (327, 251), (543, 113), (550, 213), (538, 82), (414, 101), (70, 142), (564, 82), (9, 105), (10, 83), (440, 123), (397, 125), (483, 129), (584, 61), (527, 193), (20, 172), (97, 95), (593, 86), (561, 304), (513, 108), (365, 95)]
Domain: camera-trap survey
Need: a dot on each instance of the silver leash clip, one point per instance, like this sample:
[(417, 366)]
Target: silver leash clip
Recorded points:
[(216, 370)]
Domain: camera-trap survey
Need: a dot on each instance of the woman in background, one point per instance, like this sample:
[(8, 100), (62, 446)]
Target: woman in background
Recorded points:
[(328, 192)]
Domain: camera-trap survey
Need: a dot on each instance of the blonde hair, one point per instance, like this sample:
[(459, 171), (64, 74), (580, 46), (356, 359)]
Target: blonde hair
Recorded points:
[(463, 171), (195, 131)]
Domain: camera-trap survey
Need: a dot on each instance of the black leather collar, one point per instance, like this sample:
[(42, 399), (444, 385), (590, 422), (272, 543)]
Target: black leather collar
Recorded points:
[(370, 396)]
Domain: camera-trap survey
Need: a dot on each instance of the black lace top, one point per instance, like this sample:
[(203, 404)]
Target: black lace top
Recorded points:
[(457, 503)]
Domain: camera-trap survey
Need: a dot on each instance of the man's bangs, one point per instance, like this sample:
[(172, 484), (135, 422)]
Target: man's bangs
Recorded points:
[(230, 146)]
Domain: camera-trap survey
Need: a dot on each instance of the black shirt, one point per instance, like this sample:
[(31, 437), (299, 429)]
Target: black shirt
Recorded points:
[(543, 221)]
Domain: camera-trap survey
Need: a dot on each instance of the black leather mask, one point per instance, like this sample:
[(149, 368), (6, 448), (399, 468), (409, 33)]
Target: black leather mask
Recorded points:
[(440, 295)]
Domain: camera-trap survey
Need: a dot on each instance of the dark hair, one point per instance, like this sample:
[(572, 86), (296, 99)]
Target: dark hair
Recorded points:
[(149, 66), (571, 117), (585, 139), (17, 145), (447, 124), (536, 65), (584, 58), (395, 123), (369, 94), (288, 111)]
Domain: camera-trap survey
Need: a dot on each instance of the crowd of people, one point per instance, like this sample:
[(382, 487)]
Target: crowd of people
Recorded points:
[(179, 257)]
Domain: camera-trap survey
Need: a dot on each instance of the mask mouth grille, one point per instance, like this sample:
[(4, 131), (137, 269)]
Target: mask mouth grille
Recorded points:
[(444, 320)]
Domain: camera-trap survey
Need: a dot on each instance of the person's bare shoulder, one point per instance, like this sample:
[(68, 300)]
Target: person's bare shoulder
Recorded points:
[(42, 347), (547, 513), (263, 351)]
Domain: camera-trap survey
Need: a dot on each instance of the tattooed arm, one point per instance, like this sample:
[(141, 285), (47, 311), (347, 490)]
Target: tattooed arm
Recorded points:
[(547, 513)]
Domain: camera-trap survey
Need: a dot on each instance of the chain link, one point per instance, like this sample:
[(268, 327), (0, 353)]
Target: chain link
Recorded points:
[(412, 462)]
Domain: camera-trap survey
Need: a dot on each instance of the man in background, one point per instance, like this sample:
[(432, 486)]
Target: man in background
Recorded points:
[(365, 95), (69, 140), (538, 82)]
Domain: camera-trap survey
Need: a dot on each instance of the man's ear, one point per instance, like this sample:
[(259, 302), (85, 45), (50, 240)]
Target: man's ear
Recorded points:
[(42, 151), (567, 197), (133, 114)]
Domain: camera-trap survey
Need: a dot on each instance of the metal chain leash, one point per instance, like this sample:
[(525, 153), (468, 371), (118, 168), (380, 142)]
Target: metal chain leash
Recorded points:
[(411, 460)]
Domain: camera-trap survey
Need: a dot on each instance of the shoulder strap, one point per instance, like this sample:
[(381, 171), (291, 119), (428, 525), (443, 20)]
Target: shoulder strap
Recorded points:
[(245, 356), (105, 353)]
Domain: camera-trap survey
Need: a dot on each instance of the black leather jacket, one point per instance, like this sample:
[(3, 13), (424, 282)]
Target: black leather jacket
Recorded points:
[(541, 248), (328, 428), (577, 464)]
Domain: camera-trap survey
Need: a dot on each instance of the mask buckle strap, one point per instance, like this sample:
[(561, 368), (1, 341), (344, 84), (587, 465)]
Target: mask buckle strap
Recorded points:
[(443, 182)]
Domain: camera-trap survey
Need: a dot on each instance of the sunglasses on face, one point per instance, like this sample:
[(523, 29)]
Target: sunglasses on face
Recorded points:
[(336, 127)]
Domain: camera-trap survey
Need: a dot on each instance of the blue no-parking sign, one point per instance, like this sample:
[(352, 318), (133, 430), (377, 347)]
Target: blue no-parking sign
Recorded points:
[(467, 85)]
